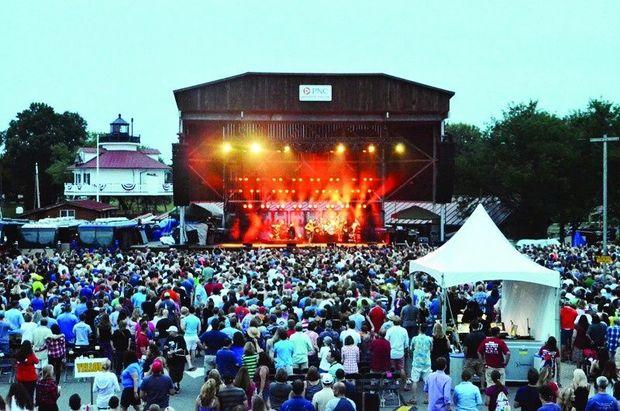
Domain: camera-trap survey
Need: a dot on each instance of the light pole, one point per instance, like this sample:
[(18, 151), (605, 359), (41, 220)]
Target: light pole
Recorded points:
[(605, 139), (97, 153)]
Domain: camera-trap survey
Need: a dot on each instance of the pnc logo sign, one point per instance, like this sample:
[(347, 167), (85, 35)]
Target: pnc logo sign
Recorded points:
[(309, 92)]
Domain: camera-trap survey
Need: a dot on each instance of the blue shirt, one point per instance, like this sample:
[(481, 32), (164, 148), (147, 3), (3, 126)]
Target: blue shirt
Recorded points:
[(552, 407), (467, 397), (283, 351), (439, 389), (66, 322), (213, 340), (226, 362), (600, 402), (137, 299), (15, 318), (37, 304), (82, 331), (192, 325), (5, 328), (126, 379), (297, 403)]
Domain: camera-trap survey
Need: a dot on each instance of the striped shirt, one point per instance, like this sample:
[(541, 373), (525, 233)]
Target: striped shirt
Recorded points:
[(251, 362)]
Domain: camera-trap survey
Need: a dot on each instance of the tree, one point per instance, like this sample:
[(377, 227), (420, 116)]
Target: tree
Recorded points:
[(531, 161), (39, 134)]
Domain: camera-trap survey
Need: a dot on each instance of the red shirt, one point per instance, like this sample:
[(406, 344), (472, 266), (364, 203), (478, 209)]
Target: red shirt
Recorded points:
[(142, 343), (241, 312), (377, 316), (380, 358), (25, 369), (567, 317), (493, 349)]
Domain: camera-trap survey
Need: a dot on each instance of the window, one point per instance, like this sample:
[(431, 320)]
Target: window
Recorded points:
[(78, 179), (87, 178), (67, 213)]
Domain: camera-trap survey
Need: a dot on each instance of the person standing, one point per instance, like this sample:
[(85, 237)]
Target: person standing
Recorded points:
[(39, 342), (466, 395), (527, 397), (190, 325), (321, 398), (131, 377), (399, 339), (176, 356), (25, 371), (105, 385), (47, 390), (472, 341), (601, 401), (226, 361), (340, 402), (120, 342), (495, 390), (283, 352), (420, 347), (301, 347), (297, 402), (231, 397), (409, 317), (157, 388), (380, 353), (439, 388), (56, 350), (495, 354), (548, 399)]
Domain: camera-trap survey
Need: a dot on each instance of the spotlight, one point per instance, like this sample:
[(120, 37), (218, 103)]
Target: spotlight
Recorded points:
[(256, 148), (245, 206), (371, 148), (226, 148), (399, 148), (250, 206), (340, 148), (287, 149)]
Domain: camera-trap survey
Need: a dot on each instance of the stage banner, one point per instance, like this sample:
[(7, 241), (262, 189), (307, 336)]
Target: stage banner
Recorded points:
[(88, 367)]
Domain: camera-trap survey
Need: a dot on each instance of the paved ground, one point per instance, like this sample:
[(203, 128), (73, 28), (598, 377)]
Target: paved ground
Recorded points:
[(190, 387)]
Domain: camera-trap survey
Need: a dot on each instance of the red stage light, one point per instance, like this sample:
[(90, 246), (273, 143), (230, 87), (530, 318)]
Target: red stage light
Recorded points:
[(257, 179), (273, 191), (316, 191), (370, 179), (337, 178), (287, 149), (240, 190), (364, 206), (300, 179), (258, 191), (365, 179), (279, 191), (293, 191), (245, 179), (318, 179), (280, 179), (369, 190), (273, 179), (331, 179), (311, 179), (286, 191), (252, 191), (294, 179)]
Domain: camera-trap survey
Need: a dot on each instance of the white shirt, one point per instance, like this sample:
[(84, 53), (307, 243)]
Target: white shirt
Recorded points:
[(105, 385), (356, 336), (321, 398), (27, 329), (398, 339)]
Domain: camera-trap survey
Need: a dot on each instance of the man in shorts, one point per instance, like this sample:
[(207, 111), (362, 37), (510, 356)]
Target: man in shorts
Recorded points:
[(190, 324), (399, 340), (495, 354), (471, 342), (421, 346)]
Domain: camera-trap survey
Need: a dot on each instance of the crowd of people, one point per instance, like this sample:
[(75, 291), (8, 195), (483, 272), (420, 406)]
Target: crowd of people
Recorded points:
[(288, 329)]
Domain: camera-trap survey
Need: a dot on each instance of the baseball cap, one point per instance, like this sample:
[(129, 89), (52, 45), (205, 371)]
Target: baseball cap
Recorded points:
[(157, 366), (172, 329)]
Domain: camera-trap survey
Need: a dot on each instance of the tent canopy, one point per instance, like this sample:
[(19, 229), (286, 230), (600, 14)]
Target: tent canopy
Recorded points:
[(480, 252)]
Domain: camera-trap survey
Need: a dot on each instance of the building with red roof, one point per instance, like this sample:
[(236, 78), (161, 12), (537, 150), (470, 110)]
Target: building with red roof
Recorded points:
[(122, 166)]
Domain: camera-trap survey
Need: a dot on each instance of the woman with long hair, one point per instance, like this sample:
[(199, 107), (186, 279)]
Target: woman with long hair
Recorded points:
[(598, 365), (550, 353), (566, 399), (242, 380), (313, 382), (350, 355), (546, 378), (581, 340), (56, 350), (104, 335), (215, 375), (493, 391), (25, 367), (207, 399), (18, 398), (250, 358), (441, 347), (581, 389), (47, 390)]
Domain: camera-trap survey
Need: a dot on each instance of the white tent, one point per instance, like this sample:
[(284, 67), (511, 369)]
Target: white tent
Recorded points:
[(480, 252)]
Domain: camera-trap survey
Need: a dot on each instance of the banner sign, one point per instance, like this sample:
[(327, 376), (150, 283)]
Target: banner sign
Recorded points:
[(87, 367), (604, 259), (308, 92)]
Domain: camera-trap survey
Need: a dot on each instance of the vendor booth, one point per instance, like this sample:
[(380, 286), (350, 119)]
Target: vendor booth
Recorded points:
[(529, 303)]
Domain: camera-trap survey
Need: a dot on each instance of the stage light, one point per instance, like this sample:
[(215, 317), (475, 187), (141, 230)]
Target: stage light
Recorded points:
[(337, 178), (311, 180), (318, 179), (294, 179), (340, 148), (370, 179), (365, 179), (240, 179), (262, 206), (371, 148), (258, 191), (257, 179), (226, 148), (245, 206), (331, 179), (293, 191), (256, 148), (287, 149), (364, 206), (399, 148), (250, 206), (252, 191), (301, 179), (280, 179), (240, 190)]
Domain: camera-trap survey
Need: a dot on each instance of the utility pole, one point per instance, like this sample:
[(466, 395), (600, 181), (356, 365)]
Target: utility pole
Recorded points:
[(37, 189), (97, 151), (605, 139)]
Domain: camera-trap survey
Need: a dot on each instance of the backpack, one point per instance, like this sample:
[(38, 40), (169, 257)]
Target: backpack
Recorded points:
[(502, 403)]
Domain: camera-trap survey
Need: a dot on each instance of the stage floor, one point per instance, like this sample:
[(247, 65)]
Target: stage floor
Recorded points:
[(297, 245)]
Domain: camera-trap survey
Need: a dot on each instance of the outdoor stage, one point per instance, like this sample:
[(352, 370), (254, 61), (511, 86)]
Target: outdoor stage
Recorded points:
[(310, 159)]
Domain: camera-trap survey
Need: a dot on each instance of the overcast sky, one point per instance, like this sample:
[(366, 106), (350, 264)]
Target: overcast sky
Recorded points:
[(101, 58)]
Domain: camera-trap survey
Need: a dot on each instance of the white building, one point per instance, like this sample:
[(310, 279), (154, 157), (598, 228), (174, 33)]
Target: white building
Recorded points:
[(124, 170)]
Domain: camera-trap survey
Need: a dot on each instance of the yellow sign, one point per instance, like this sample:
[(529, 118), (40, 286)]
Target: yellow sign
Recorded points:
[(603, 259), (88, 367)]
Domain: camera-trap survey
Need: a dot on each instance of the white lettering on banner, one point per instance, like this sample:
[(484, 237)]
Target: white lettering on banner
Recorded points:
[(308, 92)]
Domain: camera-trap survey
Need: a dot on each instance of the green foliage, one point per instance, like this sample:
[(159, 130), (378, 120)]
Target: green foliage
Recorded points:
[(39, 134), (540, 165)]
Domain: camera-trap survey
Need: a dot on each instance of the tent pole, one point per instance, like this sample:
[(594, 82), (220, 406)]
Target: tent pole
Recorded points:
[(444, 321)]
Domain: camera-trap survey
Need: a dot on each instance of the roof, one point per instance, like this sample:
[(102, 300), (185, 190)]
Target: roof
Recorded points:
[(456, 211), (84, 204), (415, 213), (123, 159), (150, 151), (277, 94), (275, 74), (120, 121), (91, 149)]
